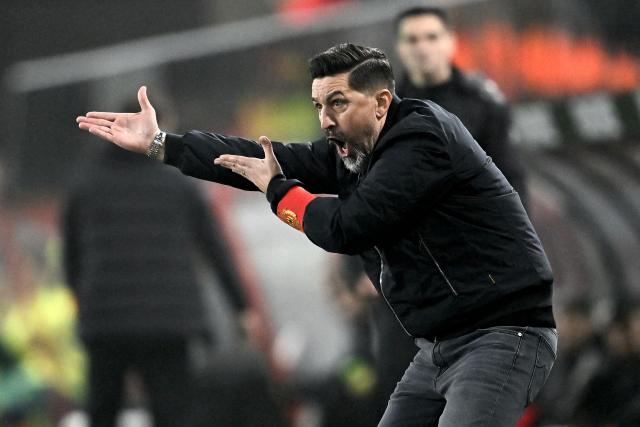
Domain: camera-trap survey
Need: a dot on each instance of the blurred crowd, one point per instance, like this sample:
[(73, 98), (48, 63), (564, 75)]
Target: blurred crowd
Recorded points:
[(595, 379), (594, 382)]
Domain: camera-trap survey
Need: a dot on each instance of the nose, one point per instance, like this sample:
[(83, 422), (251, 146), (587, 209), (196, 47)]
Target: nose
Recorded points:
[(424, 45), (326, 122)]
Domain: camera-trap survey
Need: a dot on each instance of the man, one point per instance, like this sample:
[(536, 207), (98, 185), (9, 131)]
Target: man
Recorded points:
[(132, 230), (425, 45), (457, 259)]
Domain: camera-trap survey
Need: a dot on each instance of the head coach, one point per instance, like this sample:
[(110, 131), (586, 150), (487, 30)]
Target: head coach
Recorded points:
[(442, 233)]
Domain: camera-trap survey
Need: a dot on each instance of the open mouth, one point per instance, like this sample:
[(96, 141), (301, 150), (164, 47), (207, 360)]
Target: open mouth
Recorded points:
[(341, 146)]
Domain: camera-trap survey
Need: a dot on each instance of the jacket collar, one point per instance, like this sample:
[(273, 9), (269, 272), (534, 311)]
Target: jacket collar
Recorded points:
[(390, 120)]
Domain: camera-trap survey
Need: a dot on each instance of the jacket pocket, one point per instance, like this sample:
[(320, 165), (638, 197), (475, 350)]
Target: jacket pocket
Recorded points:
[(424, 246)]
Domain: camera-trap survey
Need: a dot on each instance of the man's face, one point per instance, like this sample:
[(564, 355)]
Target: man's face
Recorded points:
[(347, 117), (424, 45)]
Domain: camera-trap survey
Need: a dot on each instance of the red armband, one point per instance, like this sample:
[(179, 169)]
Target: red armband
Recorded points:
[(292, 206)]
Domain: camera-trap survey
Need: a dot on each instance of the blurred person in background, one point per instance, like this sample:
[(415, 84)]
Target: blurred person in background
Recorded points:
[(391, 348), (425, 45), (346, 396), (132, 230), (612, 396), (410, 182), (579, 358), (41, 360)]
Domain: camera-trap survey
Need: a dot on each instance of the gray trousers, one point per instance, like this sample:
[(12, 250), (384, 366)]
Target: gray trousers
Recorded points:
[(484, 378)]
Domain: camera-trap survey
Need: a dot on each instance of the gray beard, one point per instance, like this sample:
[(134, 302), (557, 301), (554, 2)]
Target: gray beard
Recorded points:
[(356, 163)]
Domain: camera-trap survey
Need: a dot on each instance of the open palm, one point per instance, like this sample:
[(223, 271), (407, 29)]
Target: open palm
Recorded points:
[(131, 131)]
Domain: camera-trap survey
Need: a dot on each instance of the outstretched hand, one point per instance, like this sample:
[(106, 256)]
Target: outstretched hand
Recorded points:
[(258, 171), (131, 131)]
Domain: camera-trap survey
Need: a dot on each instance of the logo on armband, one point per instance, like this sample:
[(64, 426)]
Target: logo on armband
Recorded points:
[(290, 218)]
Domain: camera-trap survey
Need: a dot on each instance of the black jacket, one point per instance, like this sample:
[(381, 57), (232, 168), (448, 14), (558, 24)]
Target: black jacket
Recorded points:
[(440, 229), (483, 110), (132, 229)]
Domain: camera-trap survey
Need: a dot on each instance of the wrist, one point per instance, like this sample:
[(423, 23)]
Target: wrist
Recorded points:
[(277, 188), (156, 148), (292, 206)]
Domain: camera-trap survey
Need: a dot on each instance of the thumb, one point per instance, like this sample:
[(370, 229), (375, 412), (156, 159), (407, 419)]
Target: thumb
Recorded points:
[(143, 100), (268, 148)]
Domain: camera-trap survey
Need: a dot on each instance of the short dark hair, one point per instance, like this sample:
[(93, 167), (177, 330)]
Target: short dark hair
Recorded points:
[(420, 11), (368, 67)]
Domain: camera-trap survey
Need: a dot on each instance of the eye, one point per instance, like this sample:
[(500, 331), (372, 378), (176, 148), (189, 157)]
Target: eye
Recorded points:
[(337, 103), (433, 37), (411, 39), (317, 106)]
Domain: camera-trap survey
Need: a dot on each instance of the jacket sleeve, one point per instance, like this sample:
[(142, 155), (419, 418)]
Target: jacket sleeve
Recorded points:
[(213, 244), (408, 177), (193, 153)]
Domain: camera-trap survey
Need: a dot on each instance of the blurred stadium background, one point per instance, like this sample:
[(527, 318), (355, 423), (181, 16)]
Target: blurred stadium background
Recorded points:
[(570, 69)]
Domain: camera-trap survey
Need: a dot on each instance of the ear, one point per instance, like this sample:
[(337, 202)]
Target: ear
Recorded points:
[(383, 101)]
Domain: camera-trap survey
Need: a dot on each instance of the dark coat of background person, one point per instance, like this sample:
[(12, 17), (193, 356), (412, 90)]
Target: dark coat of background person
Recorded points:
[(482, 108), (131, 231)]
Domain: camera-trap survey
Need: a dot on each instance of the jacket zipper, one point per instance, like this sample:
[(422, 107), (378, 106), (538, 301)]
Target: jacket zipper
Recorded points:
[(444, 276), (384, 297)]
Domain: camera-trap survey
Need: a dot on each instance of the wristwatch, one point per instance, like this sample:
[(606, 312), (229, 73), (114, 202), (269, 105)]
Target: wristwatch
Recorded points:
[(156, 149)]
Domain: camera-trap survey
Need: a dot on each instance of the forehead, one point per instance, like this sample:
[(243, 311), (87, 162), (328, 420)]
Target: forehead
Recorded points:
[(323, 86), (421, 23)]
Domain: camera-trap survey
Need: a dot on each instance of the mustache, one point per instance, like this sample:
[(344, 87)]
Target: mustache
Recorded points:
[(336, 138)]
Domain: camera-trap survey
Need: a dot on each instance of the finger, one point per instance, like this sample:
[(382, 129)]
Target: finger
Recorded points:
[(224, 163), (143, 99), (239, 160), (92, 121), (101, 133), (87, 126), (228, 157), (229, 164), (98, 129), (103, 115), (267, 147), (242, 171), (233, 166)]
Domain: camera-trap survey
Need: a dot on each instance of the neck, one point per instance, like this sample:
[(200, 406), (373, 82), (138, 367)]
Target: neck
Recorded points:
[(420, 79), (381, 124), (378, 130)]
